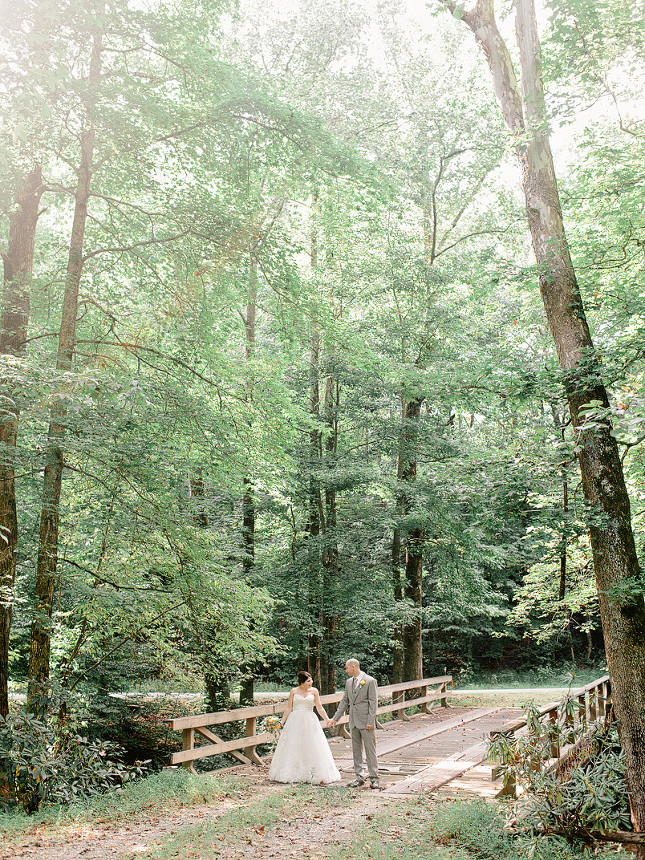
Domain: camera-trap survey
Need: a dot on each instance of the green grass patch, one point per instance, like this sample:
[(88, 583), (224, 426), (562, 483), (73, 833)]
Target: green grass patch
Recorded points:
[(399, 831), (160, 792), (478, 829)]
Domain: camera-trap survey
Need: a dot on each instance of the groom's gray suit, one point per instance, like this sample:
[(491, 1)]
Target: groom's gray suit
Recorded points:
[(361, 700)]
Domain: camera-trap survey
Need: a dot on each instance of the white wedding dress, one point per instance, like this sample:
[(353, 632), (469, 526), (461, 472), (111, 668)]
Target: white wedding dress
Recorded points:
[(302, 753)]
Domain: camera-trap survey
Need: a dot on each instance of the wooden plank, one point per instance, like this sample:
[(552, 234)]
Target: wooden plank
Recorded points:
[(514, 725), (412, 685), (219, 717), (216, 749), (217, 740), (399, 706), (434, 776), (393, 744)]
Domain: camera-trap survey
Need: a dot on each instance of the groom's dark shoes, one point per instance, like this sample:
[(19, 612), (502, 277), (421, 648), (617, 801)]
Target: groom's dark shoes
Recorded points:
[(374, 783)]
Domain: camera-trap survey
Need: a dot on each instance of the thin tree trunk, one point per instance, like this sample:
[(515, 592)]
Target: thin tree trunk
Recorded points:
[(397, 591), (612, 539), (40, 639), (18, 264), (413, 582), (314, 524), (248, 496), (330, 572)]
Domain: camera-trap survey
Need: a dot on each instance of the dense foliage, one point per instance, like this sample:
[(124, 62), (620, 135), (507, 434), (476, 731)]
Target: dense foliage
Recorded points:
[(304, 269)]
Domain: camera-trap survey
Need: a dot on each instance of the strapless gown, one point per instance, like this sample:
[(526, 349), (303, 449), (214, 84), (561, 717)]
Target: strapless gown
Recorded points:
[(302, 753)]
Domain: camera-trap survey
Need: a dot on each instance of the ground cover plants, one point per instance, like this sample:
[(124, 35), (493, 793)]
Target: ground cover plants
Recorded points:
[(161, 792)]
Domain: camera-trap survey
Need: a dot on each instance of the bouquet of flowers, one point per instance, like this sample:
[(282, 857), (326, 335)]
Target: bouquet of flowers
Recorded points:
[(273, 725)]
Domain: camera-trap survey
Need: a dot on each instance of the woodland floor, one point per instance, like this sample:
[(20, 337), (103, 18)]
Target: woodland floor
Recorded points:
[(258, 819), (314, 833)]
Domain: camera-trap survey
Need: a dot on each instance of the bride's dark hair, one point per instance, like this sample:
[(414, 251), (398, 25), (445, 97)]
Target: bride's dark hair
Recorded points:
[(304, 676)]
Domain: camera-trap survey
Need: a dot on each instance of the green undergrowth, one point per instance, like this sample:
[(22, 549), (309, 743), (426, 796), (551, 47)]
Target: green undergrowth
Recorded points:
[(162, 791), (232, 834), (452, 830), (477, 829)]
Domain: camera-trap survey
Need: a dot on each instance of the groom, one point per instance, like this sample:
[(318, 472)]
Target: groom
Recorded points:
[(361, 699)]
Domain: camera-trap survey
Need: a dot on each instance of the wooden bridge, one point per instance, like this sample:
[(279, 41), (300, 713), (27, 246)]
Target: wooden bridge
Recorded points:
[(441, 748)]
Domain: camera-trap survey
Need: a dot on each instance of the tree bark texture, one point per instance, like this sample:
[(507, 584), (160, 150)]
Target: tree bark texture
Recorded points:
[(18, 264), (46, 565), (248, 495), (397, 592), (330, 562), (315, 513), (612, 540), (410, 541)]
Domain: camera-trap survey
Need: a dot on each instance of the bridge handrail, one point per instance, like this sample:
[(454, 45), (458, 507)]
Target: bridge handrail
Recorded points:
[(199, 724), (593, 700)]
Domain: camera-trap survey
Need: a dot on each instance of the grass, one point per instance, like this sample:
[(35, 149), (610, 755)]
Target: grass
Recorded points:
[(242, 824), (452, 830), (232, 834), (542, 677), (399, 831), (160, 792)]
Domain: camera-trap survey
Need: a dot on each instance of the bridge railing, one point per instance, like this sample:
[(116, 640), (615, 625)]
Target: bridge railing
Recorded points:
[(591, 705), (244, 749)]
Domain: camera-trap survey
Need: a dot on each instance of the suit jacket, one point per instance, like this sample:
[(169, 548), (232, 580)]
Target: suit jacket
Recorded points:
[(361, 703)]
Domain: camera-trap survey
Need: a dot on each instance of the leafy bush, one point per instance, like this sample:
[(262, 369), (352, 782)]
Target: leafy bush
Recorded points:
[(479, 827), (140, 723), (589, 793), (37, 765)]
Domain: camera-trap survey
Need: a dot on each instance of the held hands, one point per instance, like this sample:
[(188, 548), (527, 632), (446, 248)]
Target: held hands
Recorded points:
[(331, 724)]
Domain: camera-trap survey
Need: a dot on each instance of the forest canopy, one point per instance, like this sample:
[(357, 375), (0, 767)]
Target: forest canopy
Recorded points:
[(278, 388)]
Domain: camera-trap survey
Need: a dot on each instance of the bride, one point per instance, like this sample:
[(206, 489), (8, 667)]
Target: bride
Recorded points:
[(302, 753)]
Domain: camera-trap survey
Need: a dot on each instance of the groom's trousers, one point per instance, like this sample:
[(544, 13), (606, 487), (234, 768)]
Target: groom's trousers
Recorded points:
[(364, 739)]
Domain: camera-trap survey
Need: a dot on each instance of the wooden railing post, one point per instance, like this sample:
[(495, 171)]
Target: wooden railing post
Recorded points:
[(555, 734), (602, 700), (249, 751), (424, 706), (397, 697), (188, 743), (593, 702), (444, 689), (509, 788), (582, 709)]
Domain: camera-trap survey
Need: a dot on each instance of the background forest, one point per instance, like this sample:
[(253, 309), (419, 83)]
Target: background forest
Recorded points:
[(277, 387)]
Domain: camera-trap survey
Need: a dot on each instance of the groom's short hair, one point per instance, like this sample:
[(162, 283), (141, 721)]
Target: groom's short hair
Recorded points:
[(353, 662)]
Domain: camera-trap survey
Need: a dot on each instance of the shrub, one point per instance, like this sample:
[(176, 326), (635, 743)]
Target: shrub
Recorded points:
[(588, 794), (37, 765)]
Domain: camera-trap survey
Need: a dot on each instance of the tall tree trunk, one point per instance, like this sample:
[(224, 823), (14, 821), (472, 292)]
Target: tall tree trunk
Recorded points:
[(314, 524), (612, 539), (248, 496), (413, 582), (40, 639), (330, 572), (215, 681), (397, 591), (18, 264)]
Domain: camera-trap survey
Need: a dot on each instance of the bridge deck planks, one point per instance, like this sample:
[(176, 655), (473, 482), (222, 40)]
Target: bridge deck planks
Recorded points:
[(433, 751)]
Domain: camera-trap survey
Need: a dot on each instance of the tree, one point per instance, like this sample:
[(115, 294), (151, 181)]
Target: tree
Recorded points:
[(612, 540), (18, 265)]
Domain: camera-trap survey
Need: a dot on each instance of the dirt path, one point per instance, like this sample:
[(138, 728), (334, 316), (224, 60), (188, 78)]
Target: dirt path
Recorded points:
[(304, 837)]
